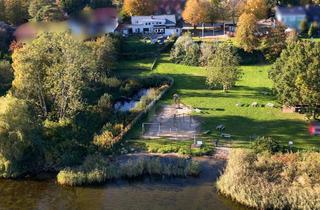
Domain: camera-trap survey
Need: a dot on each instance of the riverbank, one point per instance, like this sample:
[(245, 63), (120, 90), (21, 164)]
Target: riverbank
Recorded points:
[(147, 192), (97, 169)]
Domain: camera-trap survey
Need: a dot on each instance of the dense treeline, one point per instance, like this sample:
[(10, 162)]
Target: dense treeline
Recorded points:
[(61, 100)]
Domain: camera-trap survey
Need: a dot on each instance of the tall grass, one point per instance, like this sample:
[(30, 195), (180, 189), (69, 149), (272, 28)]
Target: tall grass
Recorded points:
[(265, 181), (95, 169)]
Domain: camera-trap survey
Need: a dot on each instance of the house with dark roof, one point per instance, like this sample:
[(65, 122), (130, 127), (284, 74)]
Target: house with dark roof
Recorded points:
[(165, 25), (293, 16)]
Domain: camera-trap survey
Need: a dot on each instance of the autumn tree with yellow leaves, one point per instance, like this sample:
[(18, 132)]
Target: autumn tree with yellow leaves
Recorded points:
[(196, 12), (247, 30), (139, 7)]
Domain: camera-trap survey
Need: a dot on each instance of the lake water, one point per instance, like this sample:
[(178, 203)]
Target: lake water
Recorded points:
[(147, 193), (127, 105)]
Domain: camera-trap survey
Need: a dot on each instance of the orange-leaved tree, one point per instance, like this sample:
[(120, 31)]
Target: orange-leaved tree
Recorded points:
[(139, 7), (196, 12)]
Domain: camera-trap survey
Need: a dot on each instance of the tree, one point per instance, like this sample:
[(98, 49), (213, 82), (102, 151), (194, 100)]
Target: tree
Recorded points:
[(196, 12), (246, 34), (6, 76), (185, 51), (72, 6), (223, 68), (49, 13), (16, 11), (296, 75), (51, 73), (139, 7), (6, 36), (99, 3), (273, 43), (207, 52), (256, 7), (20, 142), (35, 6), (313, 30), (105, 52), (2, 11), (234, 9)]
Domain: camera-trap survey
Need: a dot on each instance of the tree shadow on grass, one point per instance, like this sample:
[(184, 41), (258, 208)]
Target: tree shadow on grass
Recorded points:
[(241, 128)]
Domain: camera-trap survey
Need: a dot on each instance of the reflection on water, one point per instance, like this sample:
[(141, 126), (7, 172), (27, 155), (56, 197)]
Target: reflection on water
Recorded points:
[(149, 193)]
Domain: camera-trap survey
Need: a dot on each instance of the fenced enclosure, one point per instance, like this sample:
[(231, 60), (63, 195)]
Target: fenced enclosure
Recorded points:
[(171, 122)]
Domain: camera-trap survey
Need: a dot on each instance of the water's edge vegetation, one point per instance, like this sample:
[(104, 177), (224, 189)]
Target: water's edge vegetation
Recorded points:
[(97, 169), (266, 181)]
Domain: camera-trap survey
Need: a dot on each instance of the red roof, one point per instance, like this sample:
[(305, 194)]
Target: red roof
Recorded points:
[(105, 14)]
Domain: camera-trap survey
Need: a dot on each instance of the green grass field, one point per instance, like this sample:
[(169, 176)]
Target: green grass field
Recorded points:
[(220, 108)]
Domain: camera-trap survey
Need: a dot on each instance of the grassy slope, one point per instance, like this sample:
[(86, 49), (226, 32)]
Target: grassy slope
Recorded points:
[(220, 108)]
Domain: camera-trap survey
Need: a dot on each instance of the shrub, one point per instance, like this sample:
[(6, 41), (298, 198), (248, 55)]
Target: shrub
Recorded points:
[(129, 87), (146, 99), (20, 141), (185, 51), (104, 140), (96, 169), (6, 76), (207, 52), (266, 144), (265, 181)]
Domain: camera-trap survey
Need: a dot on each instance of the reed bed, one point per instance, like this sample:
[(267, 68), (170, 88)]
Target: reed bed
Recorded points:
[(95, 169), (265, 181)]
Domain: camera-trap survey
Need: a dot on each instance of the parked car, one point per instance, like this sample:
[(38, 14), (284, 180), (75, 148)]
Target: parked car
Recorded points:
[(314, 129)]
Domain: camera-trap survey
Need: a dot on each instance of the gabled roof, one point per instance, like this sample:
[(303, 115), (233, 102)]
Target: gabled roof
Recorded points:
[(291, 10), (170, 19)]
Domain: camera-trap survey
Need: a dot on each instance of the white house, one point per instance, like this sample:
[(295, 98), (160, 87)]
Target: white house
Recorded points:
[(158, 24)]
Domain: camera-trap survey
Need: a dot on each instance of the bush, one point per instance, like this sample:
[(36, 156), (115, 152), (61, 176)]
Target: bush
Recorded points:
[(96, 169), (146, 100), (185, 51), (183, 148), (6, 76), (265, 181), (266, 144), (20, 140), (207, 52)]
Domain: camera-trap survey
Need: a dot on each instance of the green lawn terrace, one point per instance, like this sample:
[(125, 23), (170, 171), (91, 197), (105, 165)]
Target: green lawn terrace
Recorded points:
[(217, 107)]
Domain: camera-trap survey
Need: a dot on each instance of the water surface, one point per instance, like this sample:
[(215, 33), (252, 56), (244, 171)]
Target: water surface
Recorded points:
[(147, 193)]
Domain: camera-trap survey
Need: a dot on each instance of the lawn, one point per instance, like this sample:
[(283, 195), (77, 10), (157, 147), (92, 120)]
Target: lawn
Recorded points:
[(220, 108)]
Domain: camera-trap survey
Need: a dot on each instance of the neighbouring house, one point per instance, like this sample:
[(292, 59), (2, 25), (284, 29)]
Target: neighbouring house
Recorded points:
[(265, 25), (293, 16), (313, 13), (100, 21), (165, 25)]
